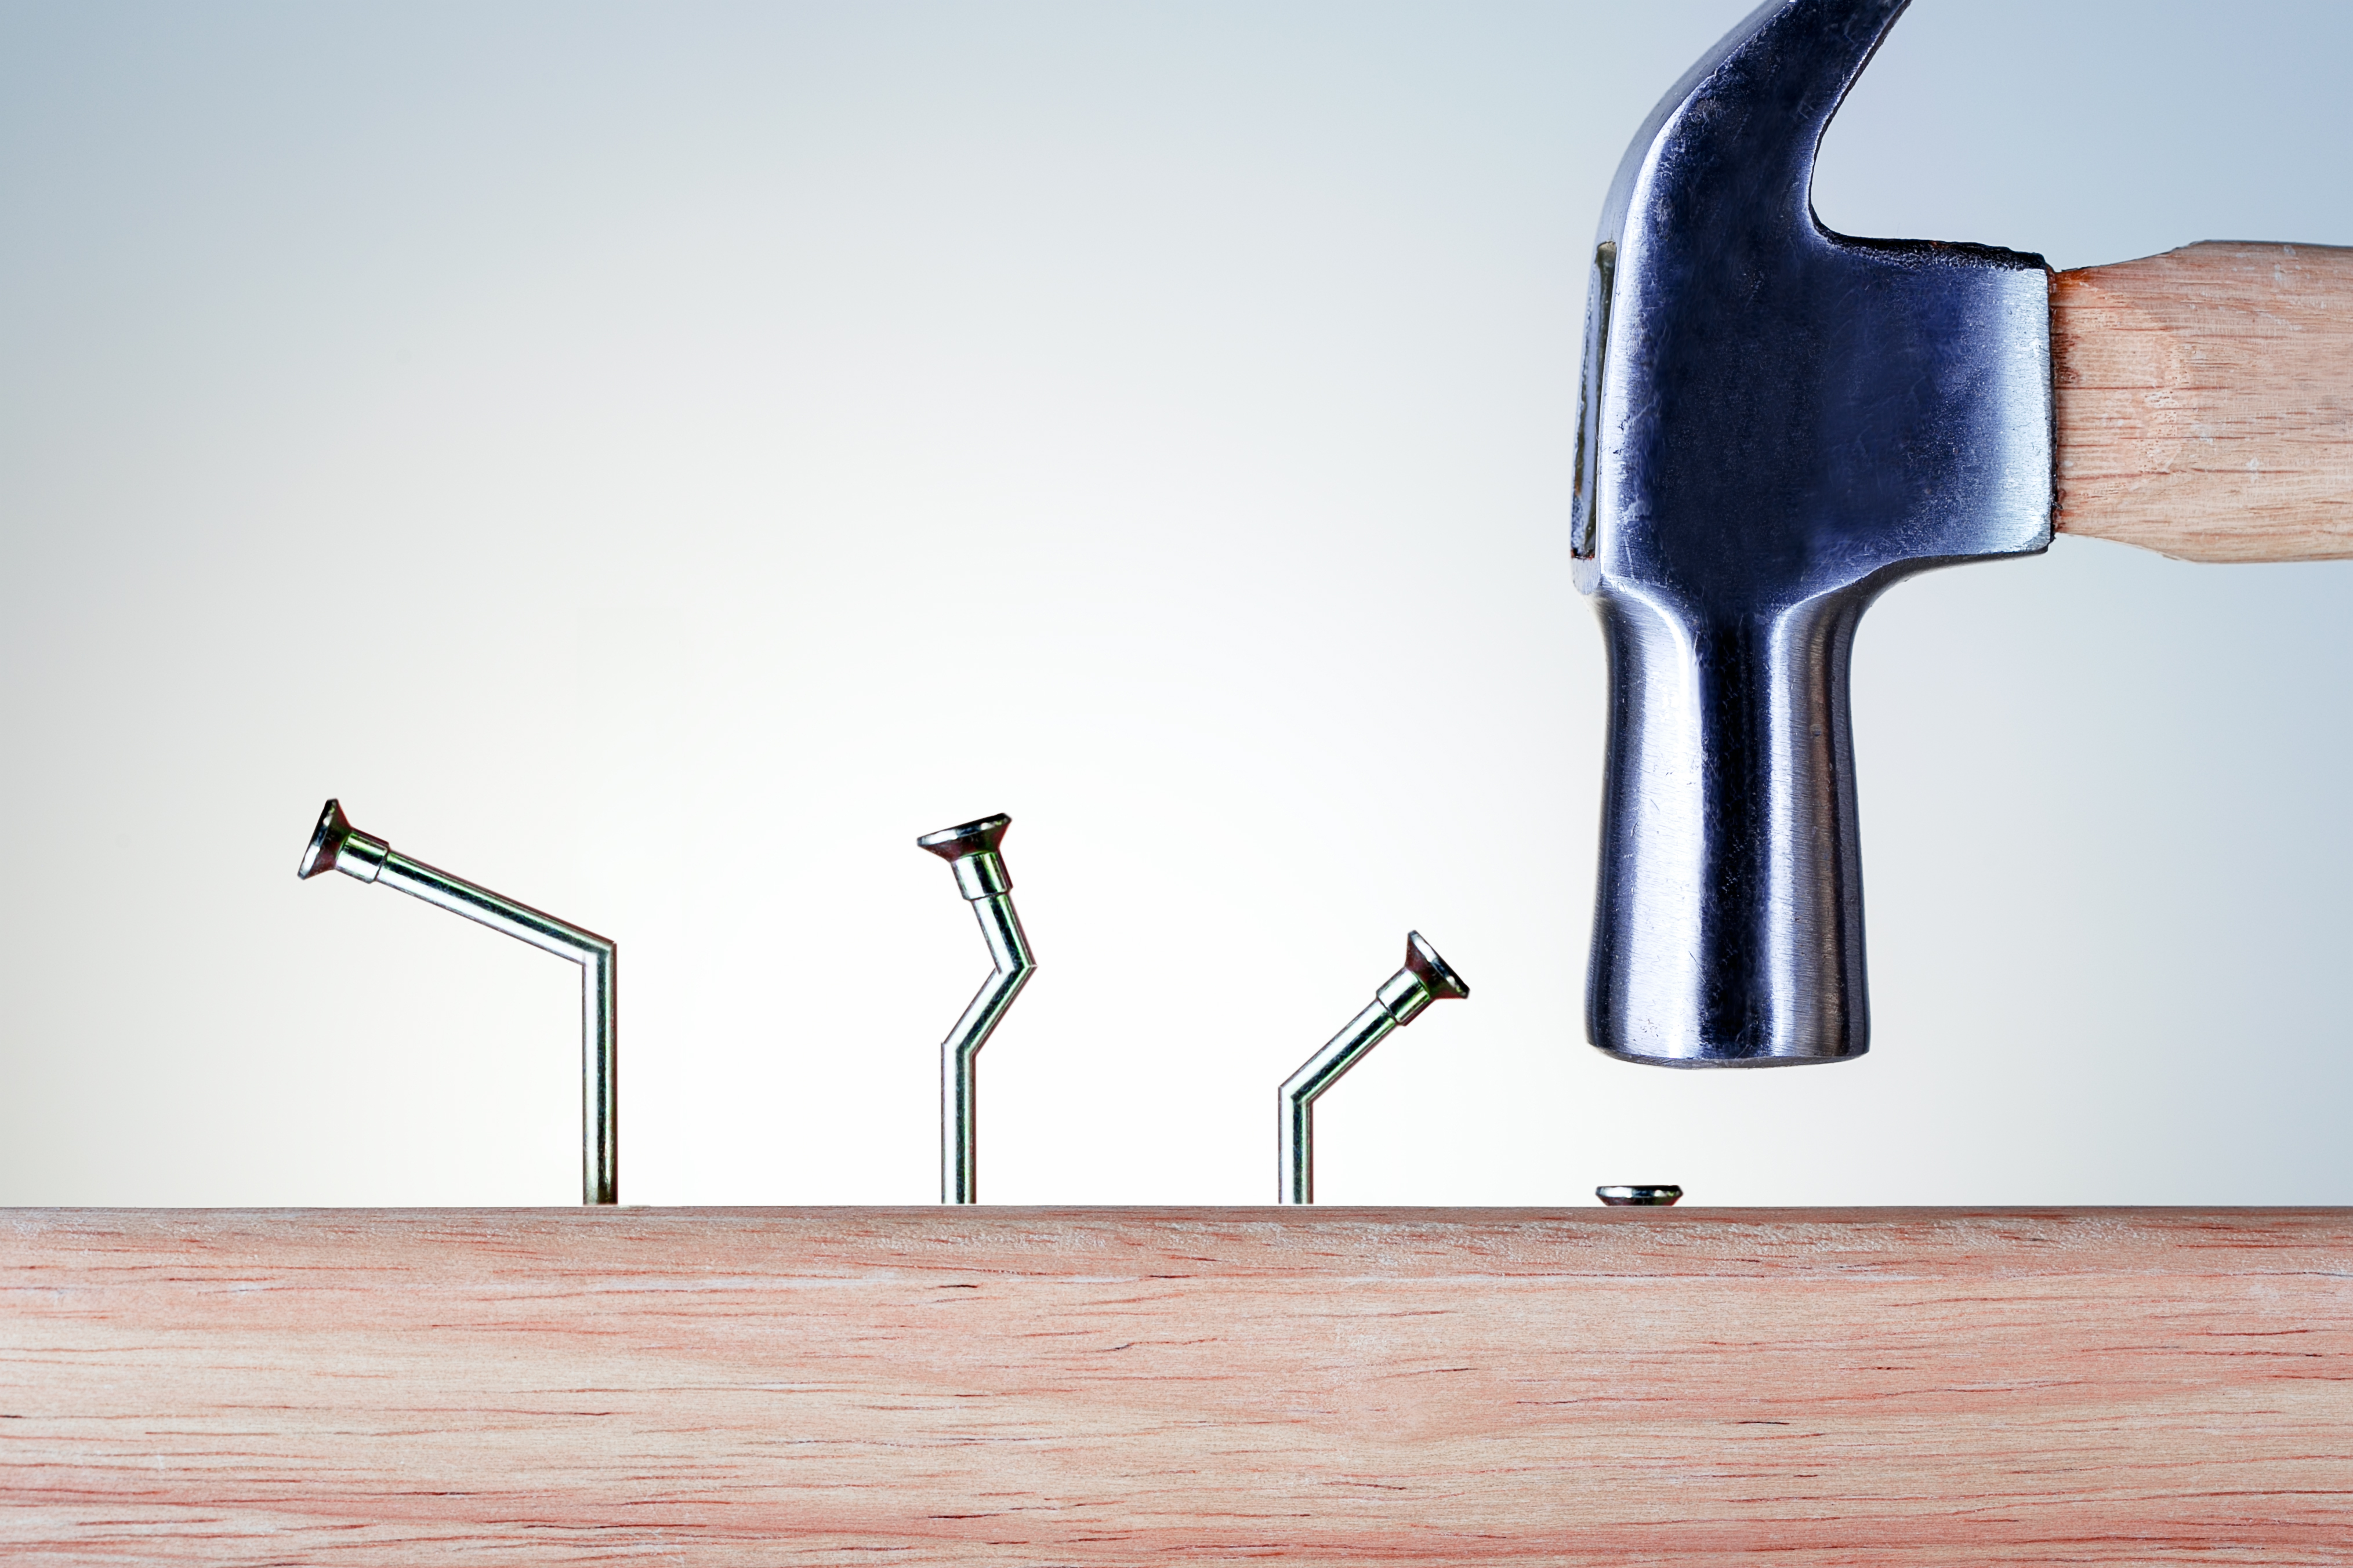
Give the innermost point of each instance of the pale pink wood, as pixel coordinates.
(2205, 402)
(1133, 1386)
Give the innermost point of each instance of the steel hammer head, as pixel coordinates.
(1777, 423)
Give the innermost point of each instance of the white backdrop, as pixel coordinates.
(659, 460)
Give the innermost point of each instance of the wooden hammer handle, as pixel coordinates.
(2205, 402)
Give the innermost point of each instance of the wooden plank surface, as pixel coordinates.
(1116, 1387)
(2204, 401)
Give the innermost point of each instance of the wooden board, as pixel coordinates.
(1127, 1386)
(2204, 401)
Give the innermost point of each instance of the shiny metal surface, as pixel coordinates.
(1639, 1197)
(1777, 423)
(1400, 1000)
(971, 850)
(336, 846)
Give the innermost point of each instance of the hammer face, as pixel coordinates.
(1779, 423)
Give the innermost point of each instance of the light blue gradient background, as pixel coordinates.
(657, 460)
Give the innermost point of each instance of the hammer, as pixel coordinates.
(1777, 422)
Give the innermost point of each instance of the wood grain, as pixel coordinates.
(2205, 402)
(1131, 1386)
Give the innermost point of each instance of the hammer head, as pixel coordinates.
(1777, 423)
